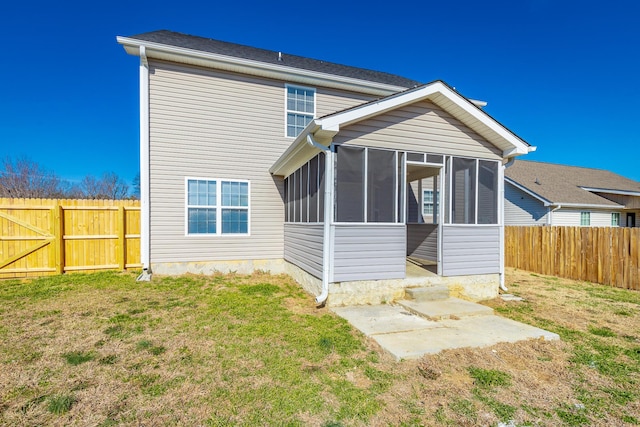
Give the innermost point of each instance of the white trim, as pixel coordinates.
(247, 66)
(218, 207)
(588, 206)
(145, 188)
(501, 168)
(619, 192)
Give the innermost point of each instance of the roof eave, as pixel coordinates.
(252, 67)
(299, 151)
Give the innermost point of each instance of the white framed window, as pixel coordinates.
(428, 202)
(585, 218)
(216, 207)
(615, 219)
(300, 108)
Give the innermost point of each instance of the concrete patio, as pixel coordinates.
(410, 329)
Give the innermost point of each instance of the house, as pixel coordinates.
(259, 160)
(539, 193)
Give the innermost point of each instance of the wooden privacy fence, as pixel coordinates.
(44, 236)
(606, 255)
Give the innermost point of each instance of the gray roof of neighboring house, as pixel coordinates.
(561, 184)
(270, 56)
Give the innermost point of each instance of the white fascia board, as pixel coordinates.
(619, 192)
(588, 206)
(335, 121)
(546, 202)
(258, 68)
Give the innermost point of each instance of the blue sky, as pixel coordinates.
(563, 75)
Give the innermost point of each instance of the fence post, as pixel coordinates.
(58, 214)
(121, 249)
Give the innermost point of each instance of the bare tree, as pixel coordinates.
(24, 178)
(109, 186)
(135, 194)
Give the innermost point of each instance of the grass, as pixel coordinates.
(101, 349)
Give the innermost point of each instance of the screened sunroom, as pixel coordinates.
(415, 176)
(378, 217)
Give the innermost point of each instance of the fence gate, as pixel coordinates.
(28, 240)
(44, 236)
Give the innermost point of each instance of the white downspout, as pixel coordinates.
(328, 214)
(144, 168)
(501, 220)
(551, 211)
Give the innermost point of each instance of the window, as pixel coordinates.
(301, 108)
(217, 206)
(615, 219)
(427, 202)
(585, 218)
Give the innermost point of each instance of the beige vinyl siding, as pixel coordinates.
(217, 125)
(422, 127)
(521, 208)
(571, 217)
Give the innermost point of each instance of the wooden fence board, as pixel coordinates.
(70, 235)
(607, 255)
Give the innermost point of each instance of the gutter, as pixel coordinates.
(328, 208)
(145, 238)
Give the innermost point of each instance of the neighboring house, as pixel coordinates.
(258, 160)
(548, 194)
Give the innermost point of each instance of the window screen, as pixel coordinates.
(296, 196)
(304, 198)
(313, 189)
(488, 192)
(350, 184)
(463, 191)
(380, 185)
(400, 186)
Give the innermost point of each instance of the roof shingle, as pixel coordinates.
(203, 44)
(562, 184)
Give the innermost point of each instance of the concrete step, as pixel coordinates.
(450, 308)
(427, 293)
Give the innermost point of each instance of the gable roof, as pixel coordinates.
(437, 92)
(569, 185)
(170, 45)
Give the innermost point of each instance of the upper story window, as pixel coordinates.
(217, 206)
(300, 108)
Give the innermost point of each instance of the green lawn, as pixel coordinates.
(101, 349)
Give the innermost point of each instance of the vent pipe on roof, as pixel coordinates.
(280, 56)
